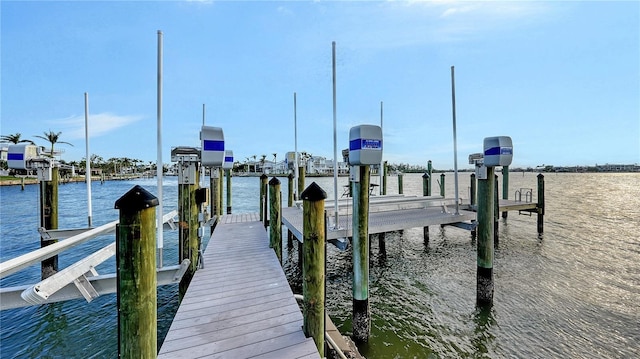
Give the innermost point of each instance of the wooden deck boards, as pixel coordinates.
(400, 213)
(240, 304)
(508, 205)
(380, 222)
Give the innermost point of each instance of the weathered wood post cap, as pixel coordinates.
(426, 175)
(274, 181)
(264, 176)
(136, 199)
(290, 176)
(313, 193)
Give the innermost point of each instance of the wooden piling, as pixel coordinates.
(496, 212)
(384, 178)
(49, 219)
(290, 191)
(472, 194)
(485, 247)
(425, 184)
(540, 204)
(505, 187)
(263, 197)
(220, 190)
(136, 275)
(290, 199)
(472, 202)
(301, 175)
(400, 189)
(22, 183)
(442, 184)
(228, 191)
(275, 218)
(313, 264)
(430, 180)
(361, 321)
(425, 192)
(213, 184)
(188, 241)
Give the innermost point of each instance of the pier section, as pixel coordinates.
(240, 304)
(386, 214)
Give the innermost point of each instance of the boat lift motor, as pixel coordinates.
(212, 149)
(188, 159)
(24, 156)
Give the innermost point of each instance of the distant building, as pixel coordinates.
(618, 168)
(4, 150)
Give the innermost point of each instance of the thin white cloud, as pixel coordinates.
(99, 124)
(285, 10)
(417, 22)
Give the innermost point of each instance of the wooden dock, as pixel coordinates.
(240, 304)
(509, 205)
(397, 212)
(386, 214)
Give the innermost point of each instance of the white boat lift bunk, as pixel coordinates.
(79, 280)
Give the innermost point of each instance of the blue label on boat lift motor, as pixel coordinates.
(498, 151)
(363, 143)
(228, 159)
(15, 156)
(213, 145)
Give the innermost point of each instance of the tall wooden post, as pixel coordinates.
(540, 203)
(360, 240)
(430, 181)
(301, 175)
(496, 212)
(228, 191)
(472, 202)
(213, 184)
(290, 199)
(275, 219)
(472, 195)
(188, 243)
(136, 275)
(384, 178)
(442, 184)
(49, 219)
(484, 291)
(263, 196)
(290, 191)
(505, 187)
(425, 192)
(313, 264)
(400, 184)
(220, 190)
(22, 183)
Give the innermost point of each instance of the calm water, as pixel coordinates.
(575, 293)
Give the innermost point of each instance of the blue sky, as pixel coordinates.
(561, 78)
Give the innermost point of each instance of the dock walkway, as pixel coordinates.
(240, 304)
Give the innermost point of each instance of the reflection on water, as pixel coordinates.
(572, 294)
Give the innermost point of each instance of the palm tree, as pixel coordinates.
(274, 162)
(15, 139)
(53, 138)
(113, 163)
(262, 162)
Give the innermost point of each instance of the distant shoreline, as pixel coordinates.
(17, 181)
